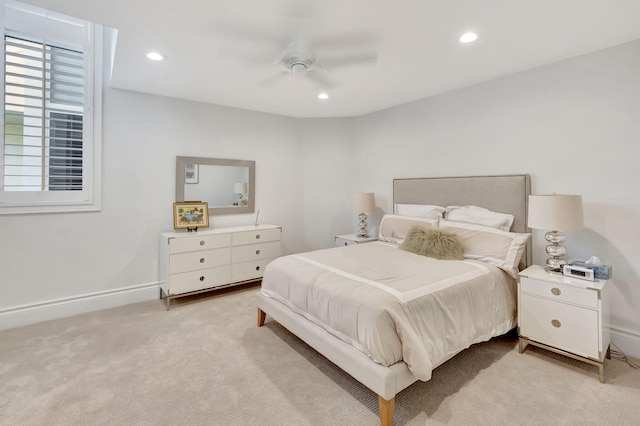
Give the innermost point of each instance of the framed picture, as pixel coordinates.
(190, 215)
(191, 173)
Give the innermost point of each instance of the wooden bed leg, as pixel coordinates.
(262, 316)
(386, 411)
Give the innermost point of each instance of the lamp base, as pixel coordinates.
(362, 222)
(555, 250)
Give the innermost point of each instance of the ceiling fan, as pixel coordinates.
(294, 46)
(299, 60)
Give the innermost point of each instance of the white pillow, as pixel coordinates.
(481, 216)
(503, 249)
(394, 228)
(419, 210)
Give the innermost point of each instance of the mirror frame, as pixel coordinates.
(181, 162)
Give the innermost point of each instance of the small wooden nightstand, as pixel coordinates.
(565, 315)
(350, 239)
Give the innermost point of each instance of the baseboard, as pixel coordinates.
(628, 341)
(61, 308)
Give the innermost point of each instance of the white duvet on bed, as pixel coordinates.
(394, 305)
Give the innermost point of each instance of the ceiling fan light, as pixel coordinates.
(298, 68)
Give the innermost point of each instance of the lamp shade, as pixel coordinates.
(240, 188)
(555, 212)
(364, 202)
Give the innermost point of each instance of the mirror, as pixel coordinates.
(228, 186)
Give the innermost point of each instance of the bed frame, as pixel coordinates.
(505, 194)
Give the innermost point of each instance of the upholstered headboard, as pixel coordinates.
(504, 194)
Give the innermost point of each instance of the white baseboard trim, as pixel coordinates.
(61, 308)
(628, 341)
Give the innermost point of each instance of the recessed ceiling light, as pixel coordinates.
(323, 96)
(468, 37)
(155, 56)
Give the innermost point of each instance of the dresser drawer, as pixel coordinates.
(198, 280)
(192, 261)
(255, 252)
(257, 236)
(560, 292)
(204, 242)
(248, 270)
(567, 327)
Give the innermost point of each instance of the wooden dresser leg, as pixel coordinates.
(386, 411)
(262, 316)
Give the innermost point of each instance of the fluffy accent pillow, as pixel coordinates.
(434, 243)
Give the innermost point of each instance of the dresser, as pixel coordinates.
(565, 315)
(194, 262)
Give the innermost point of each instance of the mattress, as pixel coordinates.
(394, 305)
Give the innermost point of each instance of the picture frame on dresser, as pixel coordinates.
(190, 215)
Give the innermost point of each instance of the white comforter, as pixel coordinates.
(394, 305)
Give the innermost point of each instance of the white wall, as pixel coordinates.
(574, 126)
(47, 257)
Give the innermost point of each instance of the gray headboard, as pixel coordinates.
(504, 194)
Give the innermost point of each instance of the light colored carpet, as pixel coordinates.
(206, 363)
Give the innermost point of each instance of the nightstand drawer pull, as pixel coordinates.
(555, 323)
(257, 236)
(257, 251)
(201, 242)
(202, 278)
(346, 243)
(202, 260)
(556, 291)
(257, 268)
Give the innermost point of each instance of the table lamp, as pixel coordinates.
(363, 203)
(555, 213)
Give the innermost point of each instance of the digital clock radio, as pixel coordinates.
(578, 272)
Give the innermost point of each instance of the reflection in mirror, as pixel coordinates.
(228, 186)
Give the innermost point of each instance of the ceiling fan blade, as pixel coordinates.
(320, 80)
(271, 80)
(347, 41)
(248, 54)
(347, 60)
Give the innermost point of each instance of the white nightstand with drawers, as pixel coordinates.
(350, 239)
(566, 315)
(194, 262)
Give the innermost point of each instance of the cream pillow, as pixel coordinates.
(503, 249)
(394, 228)
(419, 210)
(432, 242)
(480, 216)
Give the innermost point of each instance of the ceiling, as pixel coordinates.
(223, 51)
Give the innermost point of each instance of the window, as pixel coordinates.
(52, 84)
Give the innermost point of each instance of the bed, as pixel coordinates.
(389, 317)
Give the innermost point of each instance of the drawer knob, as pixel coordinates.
(257, 236)
(346, 243)
(257, 251)
(556, 323)
(202, 260)
(202, 278)
(257, 268)
(202, 242)
(556, 291)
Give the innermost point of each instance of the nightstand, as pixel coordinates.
(565, 315)
(350, 239)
